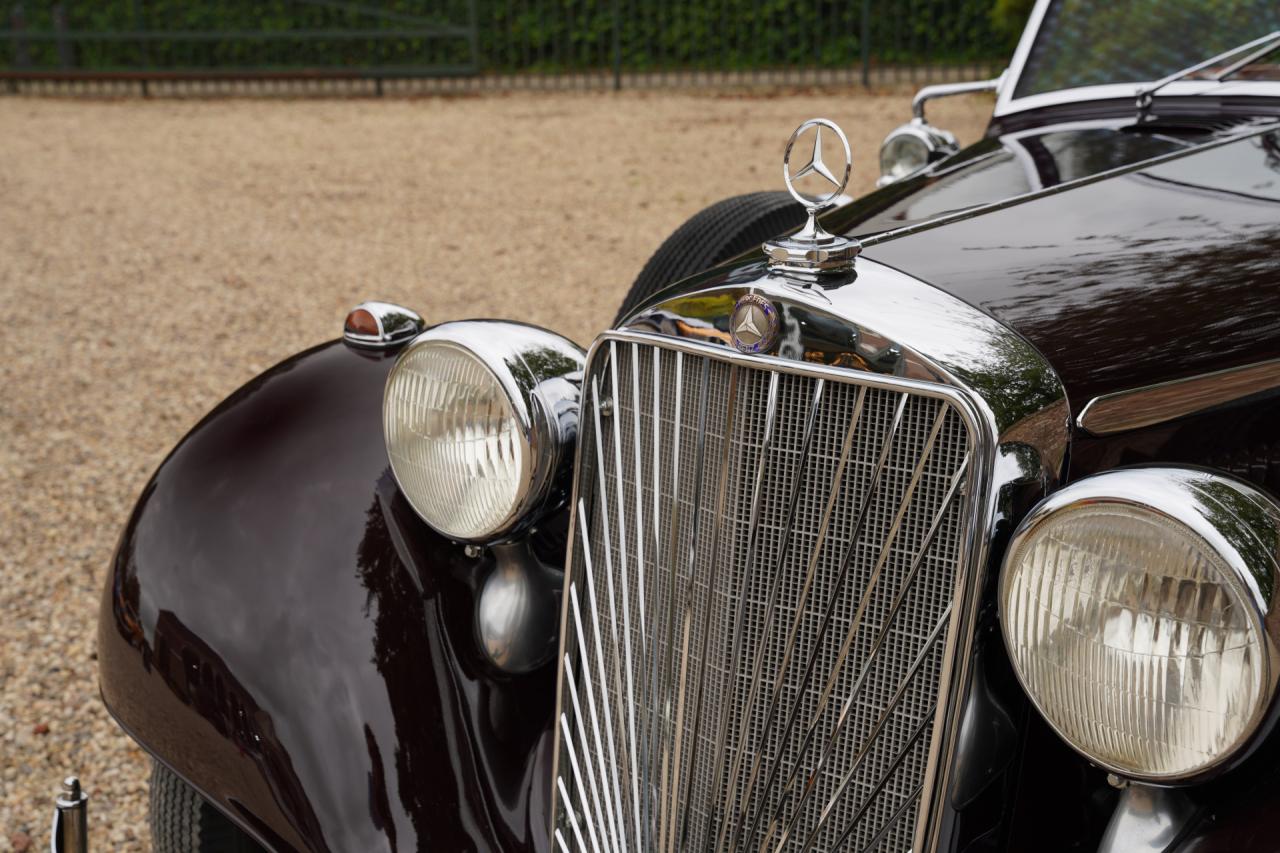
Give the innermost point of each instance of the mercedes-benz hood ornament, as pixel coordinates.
(812, 249)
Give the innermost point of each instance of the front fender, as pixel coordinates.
(283, 632)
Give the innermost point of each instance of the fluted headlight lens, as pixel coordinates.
(1139, 640)
(480, 419)
(902, 154)
(458, 448)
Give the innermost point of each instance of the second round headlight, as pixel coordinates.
(1133, 605)
(910, 147)
(479, 417)
(903, 154)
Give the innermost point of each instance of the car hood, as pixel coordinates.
(1147, 273)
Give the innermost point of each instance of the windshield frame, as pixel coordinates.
(1006, 104)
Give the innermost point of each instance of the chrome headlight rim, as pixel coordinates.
(1189, 497)
(544, 406)
(938, 144)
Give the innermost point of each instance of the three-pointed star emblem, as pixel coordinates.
(753, 325)
(749, 322)
(816, 165)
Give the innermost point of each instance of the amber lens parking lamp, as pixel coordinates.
(480, 419)
(1135, 606)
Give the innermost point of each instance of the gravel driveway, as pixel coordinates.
(154, 255)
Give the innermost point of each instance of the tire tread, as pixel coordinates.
(716, 234)
(183, 822)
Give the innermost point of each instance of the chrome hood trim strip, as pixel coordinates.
(1167, 401)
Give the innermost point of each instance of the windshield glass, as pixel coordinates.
(1094, 42)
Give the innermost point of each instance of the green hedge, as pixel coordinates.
(509, 35)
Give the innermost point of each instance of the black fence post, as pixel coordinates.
(865, 43)
(136, 13)
(473, 36)
(617, 47)
(21, 56)
(65, 57)
(18, 46)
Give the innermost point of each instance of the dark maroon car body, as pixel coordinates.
(281, 629)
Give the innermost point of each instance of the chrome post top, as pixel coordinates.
(812, 249)
(70, 830)
(71, 794)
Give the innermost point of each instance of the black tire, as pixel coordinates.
(183, 822)
(724, 230)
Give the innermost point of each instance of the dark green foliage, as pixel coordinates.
(1009, 16)
(179, 34)
(500, 35)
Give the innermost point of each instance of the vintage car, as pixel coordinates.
(949, 520)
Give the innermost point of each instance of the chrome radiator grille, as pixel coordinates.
(759, 596)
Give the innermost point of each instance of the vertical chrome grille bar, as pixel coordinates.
(779, 680)
(686, 619)
(604, 692)
(624, 569)
(753, 532)
(585, 745)
(590, 774)
(639, 778)
(775, 584)
(572, 820)
(665, 697)
(855, 624)
(726, 446)
(656, 414)
(836, 484)
(619, 827)
(789, 540)
(578, 776)
(639, 483)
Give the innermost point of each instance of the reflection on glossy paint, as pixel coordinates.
(283, 630)
(1141, 278)
(995, 169)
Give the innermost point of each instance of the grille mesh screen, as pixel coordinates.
(761, 580)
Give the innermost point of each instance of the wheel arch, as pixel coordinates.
(280, 630)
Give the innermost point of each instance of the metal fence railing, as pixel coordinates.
(461, 44)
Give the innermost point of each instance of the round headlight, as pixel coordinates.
(479, 417)
(1134, 606)
(911, 147)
